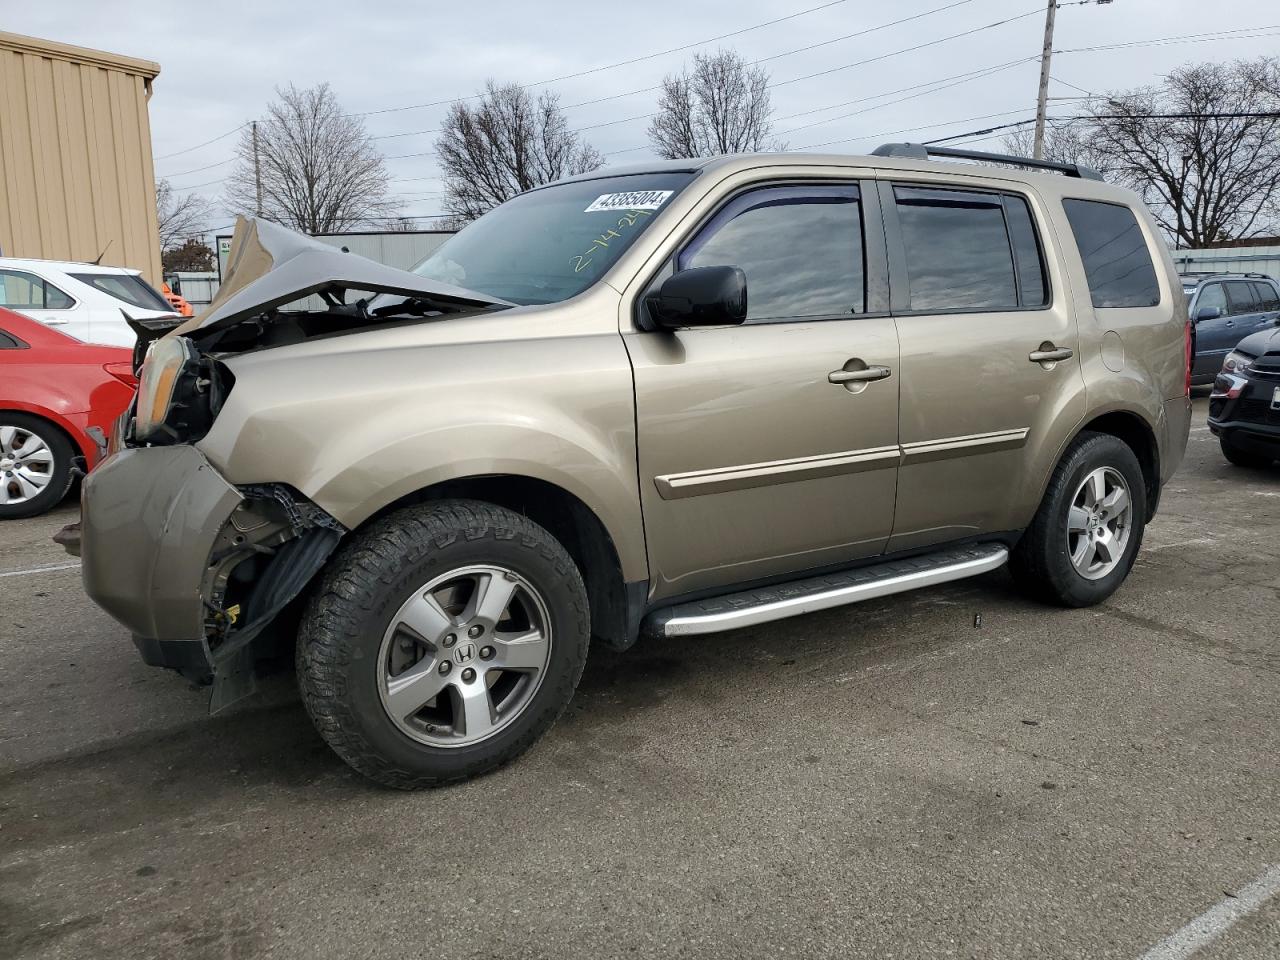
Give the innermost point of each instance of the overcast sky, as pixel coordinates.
(219, 65)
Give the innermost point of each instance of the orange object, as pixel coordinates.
(178, 303)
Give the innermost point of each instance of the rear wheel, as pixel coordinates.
(443, 642)
(1085, 536)
(35, 465)
(1242, 458)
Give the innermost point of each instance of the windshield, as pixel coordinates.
(132, 289)
(551, 244)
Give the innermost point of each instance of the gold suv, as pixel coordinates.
(672, 399)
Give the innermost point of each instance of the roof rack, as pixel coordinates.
(1223, 273)
(923, 151)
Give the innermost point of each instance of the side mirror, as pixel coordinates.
(1208, 313)
(700, 297)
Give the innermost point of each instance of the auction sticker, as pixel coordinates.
(635, 200)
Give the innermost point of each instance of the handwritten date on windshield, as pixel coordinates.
(601, 243)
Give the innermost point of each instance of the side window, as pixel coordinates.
(9, 342)
(800, 247)
(1268, 301)
(19, 289)
(958, 251)
(1033, 290)
(1213, 296)
(1241, 296)
(1117, 262)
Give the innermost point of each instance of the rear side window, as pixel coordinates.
(9, 342)
(800, 248)
(1242, 297)
(131, 289)
(1117, 262)
(19, 289)
(969, 251)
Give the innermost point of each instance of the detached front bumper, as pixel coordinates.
(150, 519)
(194, 567)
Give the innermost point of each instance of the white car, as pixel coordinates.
(80, 299)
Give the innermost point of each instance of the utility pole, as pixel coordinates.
(257, 166)
(1042, 101)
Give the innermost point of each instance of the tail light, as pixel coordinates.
(122, 370)
(1190, 354)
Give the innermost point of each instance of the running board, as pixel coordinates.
(765, 604)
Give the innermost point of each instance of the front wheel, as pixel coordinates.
(1085, 536)
(442, 642)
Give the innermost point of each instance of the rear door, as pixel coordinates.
(758, 457)
(33, 295)
(989, 356)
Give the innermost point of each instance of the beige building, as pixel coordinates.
(76, 176)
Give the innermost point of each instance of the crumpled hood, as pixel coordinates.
(271, 265)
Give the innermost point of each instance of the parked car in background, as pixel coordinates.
(1224, 309)
(675, 399)
(82, 300)
(1244, 408)
(58, 401)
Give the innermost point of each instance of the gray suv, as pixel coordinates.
(1224, 309)
(668, 400)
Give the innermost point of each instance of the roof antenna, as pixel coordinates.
(98, 262)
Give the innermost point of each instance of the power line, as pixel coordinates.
(221, 136)
(1185, 38)
(170, 176)
(620, 63)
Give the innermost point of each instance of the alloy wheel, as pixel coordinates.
(1099, 523)
(464, 656)
(26, 464)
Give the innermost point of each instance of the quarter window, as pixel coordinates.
(1267, 298)
(958, 250)
(800, 248)
(20, 290)
(1117, 262)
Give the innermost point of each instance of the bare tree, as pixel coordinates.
(320, 171)
(506, 144)
(722, 106)
(180, 216)
(1208, 174)
(191, 255)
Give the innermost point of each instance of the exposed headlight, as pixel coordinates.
(173, 395)
(1237, 362)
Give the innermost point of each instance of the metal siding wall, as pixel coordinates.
(1230, 259)
(75, 160)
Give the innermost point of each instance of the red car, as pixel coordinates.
(58, 400)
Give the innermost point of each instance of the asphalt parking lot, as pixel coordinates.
(889, 780)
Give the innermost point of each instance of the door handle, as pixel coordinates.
(859, 376)
(1050, 354)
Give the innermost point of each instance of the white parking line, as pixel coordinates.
(23, 573)
(1211, 924)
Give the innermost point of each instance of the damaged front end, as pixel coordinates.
(267, 551)
(201, 567)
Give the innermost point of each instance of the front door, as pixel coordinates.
(1215, 335)
(989, 358)
(759, 454)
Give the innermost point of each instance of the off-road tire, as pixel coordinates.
(64, 455)
(1040, 563)
(1242, 458)
(364, 585)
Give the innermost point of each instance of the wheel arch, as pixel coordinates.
(1135, 430)
(615, 604)
(79, 442)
